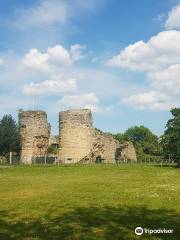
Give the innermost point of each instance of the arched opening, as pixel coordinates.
(99, 159)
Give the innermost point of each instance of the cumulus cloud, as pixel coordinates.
(51, 87)
(35, 60)
(152, 100)
(86, 100)
(54, 56)
(164, 92)
(173, 20)
(59, 54)
(167, 80)
(156, 54)
(159, 59)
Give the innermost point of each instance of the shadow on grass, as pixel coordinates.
(106, 223)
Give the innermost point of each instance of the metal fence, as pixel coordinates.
(11, 160)
(15, 160)
(44, 160)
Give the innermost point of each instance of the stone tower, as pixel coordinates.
(76, 135)
(34, 133)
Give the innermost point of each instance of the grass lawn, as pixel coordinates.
(88, 202)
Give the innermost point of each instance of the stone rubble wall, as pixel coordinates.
(126, 152)
(78, 141)
(35, 133)
(76, 135)
(105, 145)
(109, 149)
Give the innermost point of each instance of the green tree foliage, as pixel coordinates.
(143, 139)
(9, 136)
(119, 137)
(171, 139)
(52, 149)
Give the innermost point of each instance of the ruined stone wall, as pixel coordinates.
(35, 133)
(78, 141)
(126, 152)
(110, 150)
(76, 135)
(104, 146)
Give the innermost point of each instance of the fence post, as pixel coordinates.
(10, 158)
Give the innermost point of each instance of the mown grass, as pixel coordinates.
(88, 202)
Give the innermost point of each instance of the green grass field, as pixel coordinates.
(88, 202)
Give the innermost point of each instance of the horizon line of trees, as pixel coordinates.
(146, 143)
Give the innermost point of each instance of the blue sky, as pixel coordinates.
(120, 58)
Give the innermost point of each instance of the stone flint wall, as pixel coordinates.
(126, 152)
(78, 140)
(104, 146)
(75, 133)
(35, 133)
(108, 149)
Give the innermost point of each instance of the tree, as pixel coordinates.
(119, 137)
(52, 149)
(171, 139)
(9, 136)
(143, 139)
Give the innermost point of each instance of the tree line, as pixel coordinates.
(147, 144)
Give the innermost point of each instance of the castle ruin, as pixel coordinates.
(34, 133)
(75, 134)
(78, 141)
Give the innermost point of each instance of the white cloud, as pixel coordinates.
(35, 60)
(164, 91)
(167, 80)
(151, 100)
(86, 100)
(51, 87)
(45, 13)
(159, 59)
(60, 55)
(173, 20)
(159, 52)
(54, 56)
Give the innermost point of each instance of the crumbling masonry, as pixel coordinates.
(78, 142)
(35, 133)
(75, 134)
